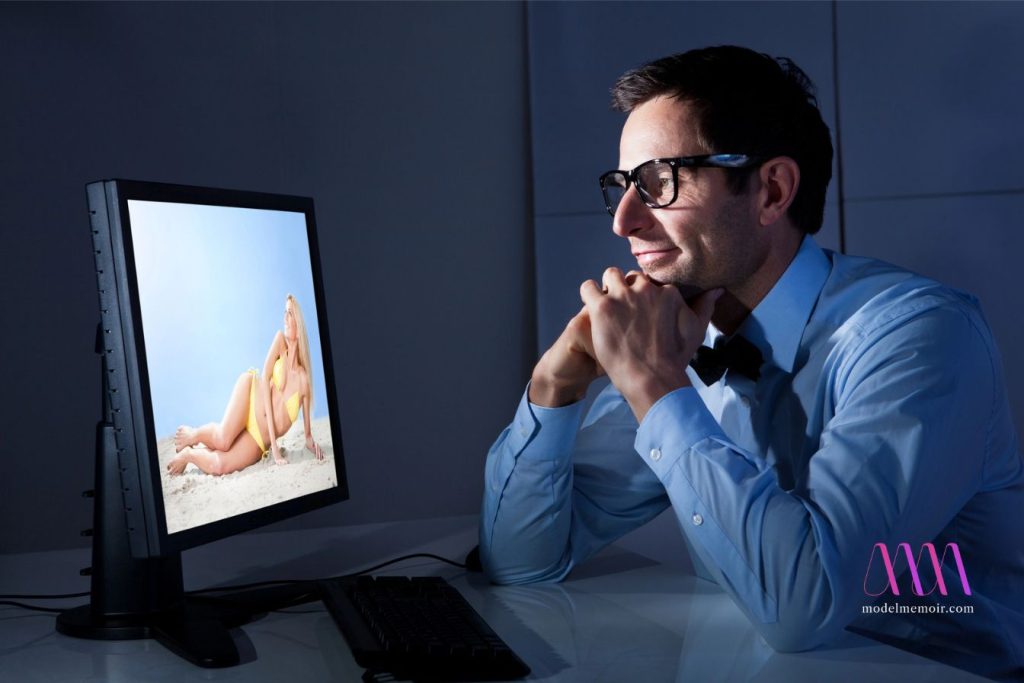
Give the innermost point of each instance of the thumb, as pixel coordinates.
(704, 306)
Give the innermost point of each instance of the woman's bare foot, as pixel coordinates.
(280, 459)
(184, 437)
(177, 465)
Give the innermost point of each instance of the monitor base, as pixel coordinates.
(198, 632)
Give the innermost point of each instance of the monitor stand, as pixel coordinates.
(134, 598)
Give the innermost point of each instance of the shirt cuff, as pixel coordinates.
(539, 433)
(675, 423)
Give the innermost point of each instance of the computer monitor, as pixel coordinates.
(219, 406)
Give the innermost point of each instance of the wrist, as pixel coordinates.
(643, 394)
(552, 393)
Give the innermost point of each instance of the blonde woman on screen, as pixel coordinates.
(261, 408)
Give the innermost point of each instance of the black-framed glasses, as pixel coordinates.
(657, 180)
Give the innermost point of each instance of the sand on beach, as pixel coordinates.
(194, 498)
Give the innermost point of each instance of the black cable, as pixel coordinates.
(408, 557)
(6, 600)
(44, 597)
(34, 608)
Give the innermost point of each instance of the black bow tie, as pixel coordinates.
(737, 354)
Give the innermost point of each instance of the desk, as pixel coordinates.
(620, 618)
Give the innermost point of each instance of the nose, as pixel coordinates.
(632, 215)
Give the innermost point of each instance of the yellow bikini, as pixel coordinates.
(251, 425)
(291, 404)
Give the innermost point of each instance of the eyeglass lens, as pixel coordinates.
(614, 187)
(655, 182)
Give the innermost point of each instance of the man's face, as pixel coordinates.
(708, 237)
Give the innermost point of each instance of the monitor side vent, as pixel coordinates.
(113, 350)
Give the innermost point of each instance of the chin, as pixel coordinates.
(666, 276)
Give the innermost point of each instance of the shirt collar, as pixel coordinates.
(777, 324)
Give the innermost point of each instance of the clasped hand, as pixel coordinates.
(640, 333)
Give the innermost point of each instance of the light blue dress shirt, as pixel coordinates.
(880, 417)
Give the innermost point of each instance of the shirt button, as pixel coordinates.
(697, 519)
(655, 454)
(523, 430)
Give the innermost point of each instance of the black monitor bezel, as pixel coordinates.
(160, 542)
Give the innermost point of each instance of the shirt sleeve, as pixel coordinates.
(904, 449)
(556, 492)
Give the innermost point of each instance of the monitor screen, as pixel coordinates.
(231, 406)
(221, 288)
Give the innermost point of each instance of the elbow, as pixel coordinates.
(786, 638)
(813, 610)
(510, 571)
(802, 628)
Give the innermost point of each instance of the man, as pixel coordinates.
(838, 403)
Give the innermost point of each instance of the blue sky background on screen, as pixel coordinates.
(212, 283)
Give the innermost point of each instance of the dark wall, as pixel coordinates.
(429, 288)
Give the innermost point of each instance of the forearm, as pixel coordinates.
(760, 543)
(755, 539)
(526, 514)
(557, 492)
(795, 562)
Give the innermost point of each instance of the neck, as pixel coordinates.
(730, 312)
(737, 302)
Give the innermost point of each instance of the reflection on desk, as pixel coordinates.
(620, 618)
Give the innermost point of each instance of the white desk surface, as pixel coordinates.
(620, 618)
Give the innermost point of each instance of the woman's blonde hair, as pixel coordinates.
(304, 359)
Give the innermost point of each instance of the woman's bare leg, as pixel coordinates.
(220, 436)
(243, 452)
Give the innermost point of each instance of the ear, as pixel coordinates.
(780, 179)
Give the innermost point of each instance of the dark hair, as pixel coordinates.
(745, 102)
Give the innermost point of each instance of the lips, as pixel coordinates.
(648, 256)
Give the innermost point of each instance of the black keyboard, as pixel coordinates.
(419, 629)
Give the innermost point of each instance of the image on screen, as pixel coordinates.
(232, 351)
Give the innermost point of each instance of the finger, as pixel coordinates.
(581, 321)
(612, 279)
(590, 292)
(632, 277)
(583, 340)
